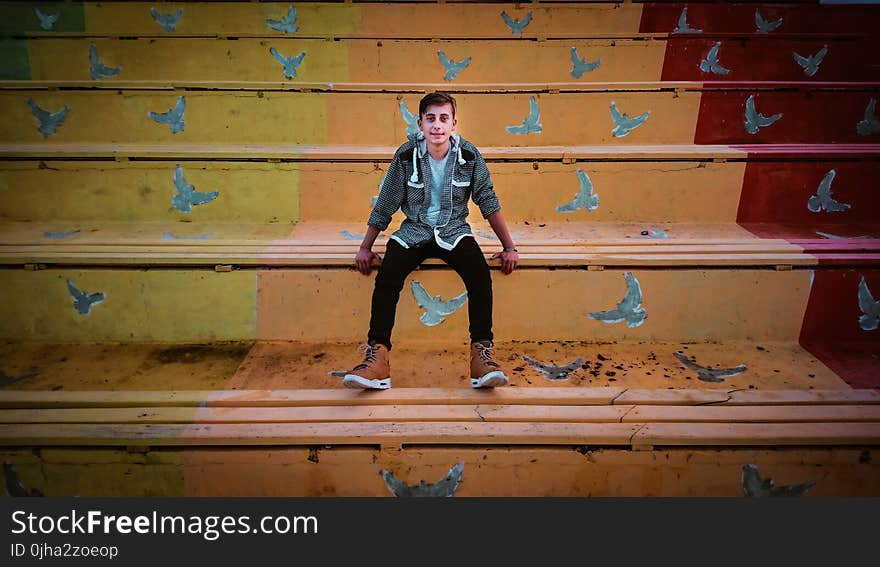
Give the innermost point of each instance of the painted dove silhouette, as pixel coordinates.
(516, 26)
(47, 21)
(97, 69)
(710, 63)
(623, 123)
(580, 66)
(61, 235)
(869, 306)
(823, 200)
(167, 21)
(553, 372)
(452, 68)
(763, 25)
(811, 63)
(186, 196)
(412, 121)
(285, 24)
(584, 199)
(754, 487)
(49, 121)
(436, 310)
(683, 26)
(870, 124)
(530, 124)
(83, 301)
(13, 484)
(629, 309)
(754, 120)
(708, 374)
(290, 64)
(173, 117)
(444, 488)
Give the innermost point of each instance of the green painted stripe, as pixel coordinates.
(16, 17)
(14, 62)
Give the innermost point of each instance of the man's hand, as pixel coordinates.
(509, 260)
(364, 260)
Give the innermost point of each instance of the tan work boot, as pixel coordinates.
(374, 373)
(485, 372)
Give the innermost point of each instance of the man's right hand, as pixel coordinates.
(364, 260)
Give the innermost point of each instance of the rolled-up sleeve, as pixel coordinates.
(391, 194)
(483, 192)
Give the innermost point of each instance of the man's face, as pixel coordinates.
(437, 123)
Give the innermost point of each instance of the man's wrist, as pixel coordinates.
(506, 249)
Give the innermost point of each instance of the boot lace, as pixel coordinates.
(369, 356)
(487, 354)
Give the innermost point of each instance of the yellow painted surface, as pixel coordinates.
(159, 305)
(343, 118)
(697, 305)
(628, 191)
(427, 19)
(141, 192)
(227, 18)
(191, 59)
(495, 471)
(350, 60)
(211, 117)
(567, 119)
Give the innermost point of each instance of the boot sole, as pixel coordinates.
(360, 383)
(490, 380)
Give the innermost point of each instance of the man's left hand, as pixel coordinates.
(509, 260)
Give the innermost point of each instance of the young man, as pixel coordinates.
(430, 179)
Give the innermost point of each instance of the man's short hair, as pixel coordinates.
(436, 98)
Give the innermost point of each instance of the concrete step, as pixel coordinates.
(232, 117)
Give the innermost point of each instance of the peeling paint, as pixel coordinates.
(173, 117)
(835, 237)
(583, 199)
(186, 195)
(287, 24)
(653, 233)
(516, 26)
(551, 371)
(754, 487)
(491, 236)
(47, 21)
(61, 235)
(436, 310)
(351, 236)
(290, 64)
(443, 488)
(823, 200)
(710, 63)
(82, 300)
(623, 123)
(97, 69)
(452, 68)
(167, 21)
(869, 306)
(170, 236)
(49, 121)
(869, 124)
(754, 120)
(411, 120)
(708, 374)
(629, 309)
(530, 124)
(683, 26)
(811, 63)
(580, 66)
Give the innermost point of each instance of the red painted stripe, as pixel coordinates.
(767, 59)
(831, 331)
(740, 18)
(808, 117)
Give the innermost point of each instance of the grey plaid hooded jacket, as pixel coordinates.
(407, 186)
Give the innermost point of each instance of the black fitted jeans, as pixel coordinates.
(466, 259)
